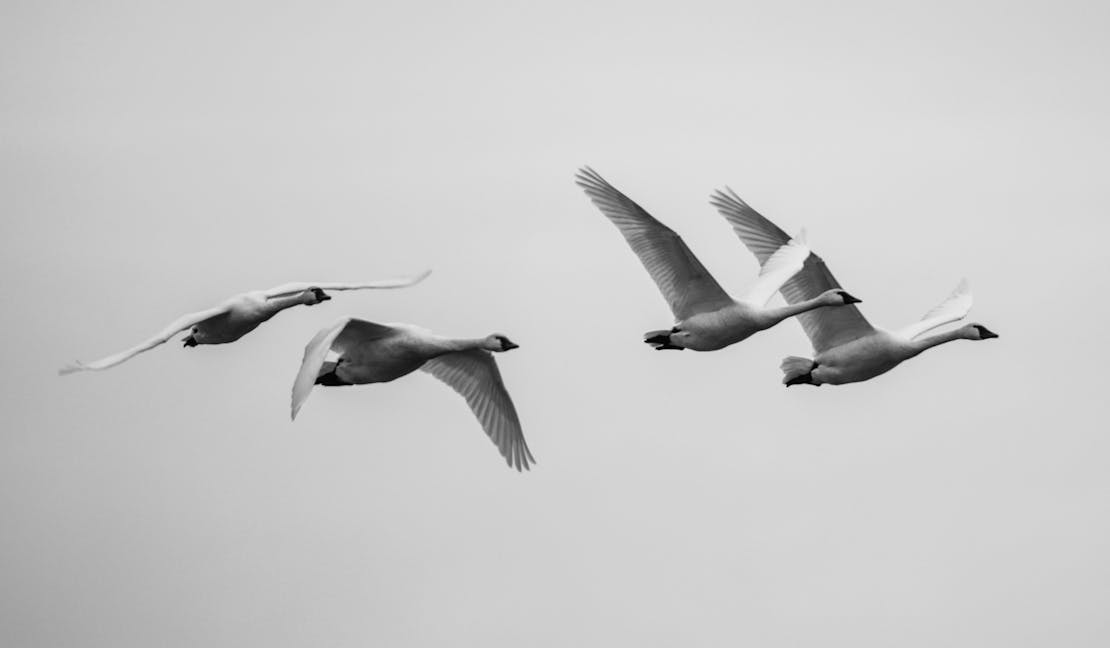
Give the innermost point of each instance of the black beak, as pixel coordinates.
(509, 346)
(984, 332)
(848, 299)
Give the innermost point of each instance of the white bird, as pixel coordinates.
(848, 349)
(706, 318)
(238, 316)
(357, 352)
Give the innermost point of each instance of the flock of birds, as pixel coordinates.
(356, 352)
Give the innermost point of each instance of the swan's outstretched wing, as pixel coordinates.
(780, 257)
(685, 283)
(338, 336)
(314, 353)
(778, 269)
(762, 237)
(180, 324)
(826, 327)
(954, 308)
(285, 290)
(474, 375)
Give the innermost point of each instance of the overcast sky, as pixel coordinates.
(156, 159)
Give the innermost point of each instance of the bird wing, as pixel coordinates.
(685, 283)
(955, 307)
(314, 353)
(762, 237)
(359, 331)
(285, 290)
(341, 335)
(474, 375)
(180, 324)
(826, 327)
(778, 269)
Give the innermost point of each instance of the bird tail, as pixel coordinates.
(797, 371)
(660, 340)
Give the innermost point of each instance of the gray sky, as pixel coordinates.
(157, 159)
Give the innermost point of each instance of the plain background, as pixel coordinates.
(159, 157)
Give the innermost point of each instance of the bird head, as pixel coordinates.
(838, 297)
(979, 332)
(499, 343)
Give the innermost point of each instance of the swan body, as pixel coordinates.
(874, 351)
(239, 315)
(861, 359)
(706, 317)
(358, 352)
(736, 322)
(878, 353)
(244, 313)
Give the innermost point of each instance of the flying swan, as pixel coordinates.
(238, 316)
(357, 352)
(706, 318)
(848, 349)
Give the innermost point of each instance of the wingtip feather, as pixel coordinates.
(731, 196)
(591, 181)
(72, 367)
(725, 197)
(298, 400)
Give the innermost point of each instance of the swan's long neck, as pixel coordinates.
(277, 304)
(450, 345)
(779, 313)
(922, 344)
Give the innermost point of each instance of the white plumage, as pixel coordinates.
(849, 349)
(859, 353)
(355, 352)
(706, 317)
(239, 315)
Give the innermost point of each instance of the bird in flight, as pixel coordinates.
(706, 317)
(239, 315)
(358, 352)
(848, 348)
